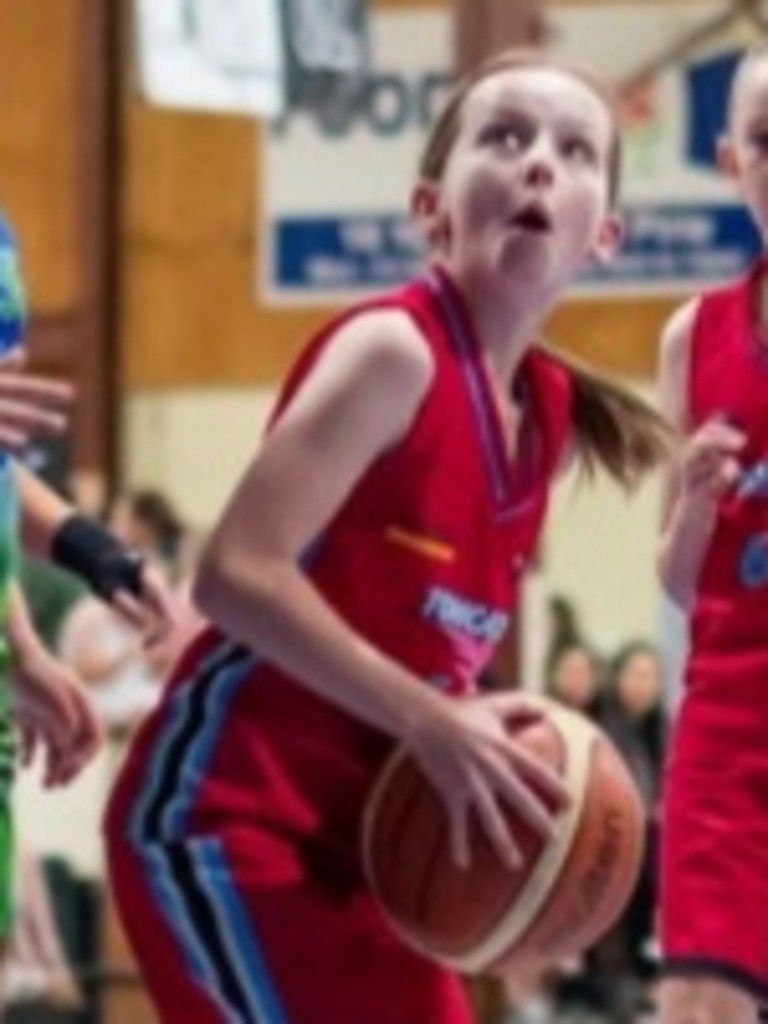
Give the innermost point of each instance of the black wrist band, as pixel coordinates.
(89, 551)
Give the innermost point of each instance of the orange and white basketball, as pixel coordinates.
(486, 918)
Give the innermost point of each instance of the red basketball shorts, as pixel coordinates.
(217, 946)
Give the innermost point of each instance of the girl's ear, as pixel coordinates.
(609, 239)
(727, 160)
(428, 215)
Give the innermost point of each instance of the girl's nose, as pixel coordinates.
(539, 171)
(540, 163)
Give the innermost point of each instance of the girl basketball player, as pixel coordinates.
(714, 562)
(361, 576)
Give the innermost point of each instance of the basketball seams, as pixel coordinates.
(377, 798)
(397, 813)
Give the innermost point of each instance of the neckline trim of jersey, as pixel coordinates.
(508, 475)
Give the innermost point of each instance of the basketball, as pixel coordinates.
(486, 918)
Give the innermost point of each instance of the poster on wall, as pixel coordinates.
(336, 181)
(221, 56)
(325, 48)
(335, 185)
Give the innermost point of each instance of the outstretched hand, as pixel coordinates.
(29, 405)
(154, 611)
(710, 462)
(52, 711)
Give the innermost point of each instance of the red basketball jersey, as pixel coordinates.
(423, 560)
(729, 379)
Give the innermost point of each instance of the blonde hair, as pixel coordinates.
(612, 427)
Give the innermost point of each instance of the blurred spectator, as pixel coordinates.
(147, 520)
(108, 655)
(38, 969)
(574, 677)
(634, 715)
(564, 626)
(634, 718)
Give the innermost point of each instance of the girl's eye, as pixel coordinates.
(760, 140)
(505, 136)
(580, 149)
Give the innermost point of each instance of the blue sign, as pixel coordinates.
(346, 252)
(671, 245)
(666, 245)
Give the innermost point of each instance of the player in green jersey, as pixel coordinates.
(41, 699)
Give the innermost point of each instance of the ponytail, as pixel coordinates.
(614, 429)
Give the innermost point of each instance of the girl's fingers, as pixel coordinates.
(515, 707)
(13, 440)
(515, 792)
(20, 409)
(26, 388)
(14, 360)
(513, 777)
(88, 738)
(130, 608)
(496, 827)
(720, 433)
(160, 600)
(537, 772)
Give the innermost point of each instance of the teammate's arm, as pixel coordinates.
(705, 466)
(53, 529)
(50, 707)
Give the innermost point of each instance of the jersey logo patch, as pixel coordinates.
(473, 619)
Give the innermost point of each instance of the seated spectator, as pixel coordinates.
(146, 520)
(574, 677)
(37, 967)
(634, 718)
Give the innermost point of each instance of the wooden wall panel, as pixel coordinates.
(39, 140)
(620, 336)
(191, 315)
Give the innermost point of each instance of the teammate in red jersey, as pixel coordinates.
(714, 563)
(373, 546)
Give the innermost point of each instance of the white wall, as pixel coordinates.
(193, 444)
(599, 550)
